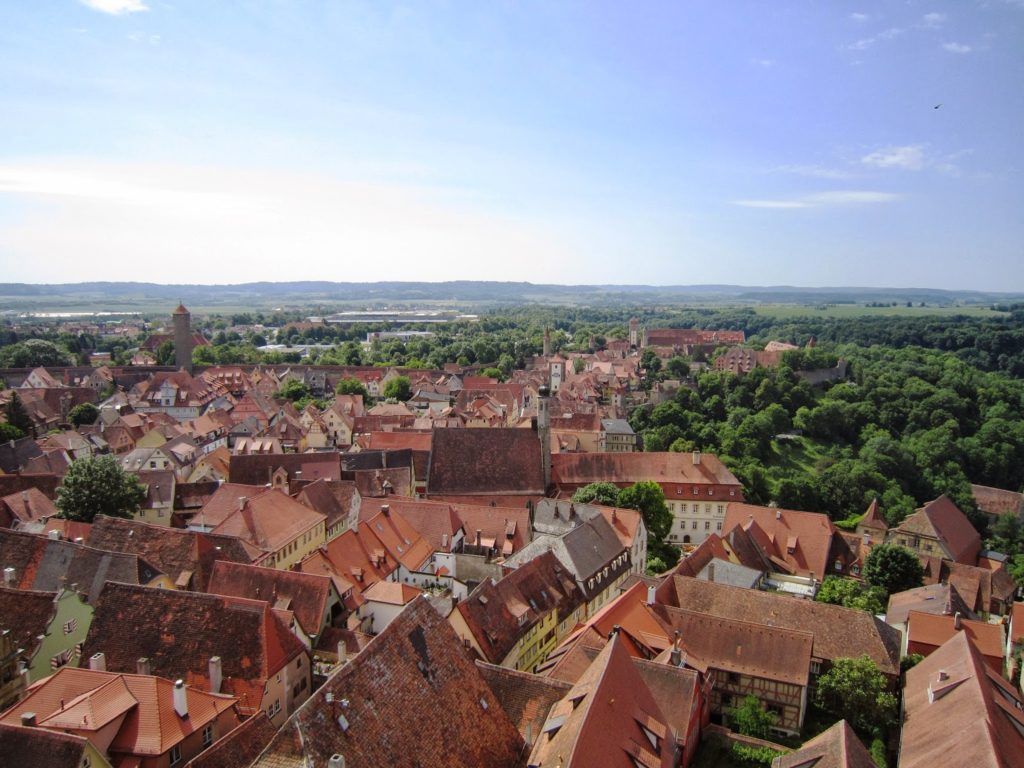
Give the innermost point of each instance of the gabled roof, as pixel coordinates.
(238, 747)
(979, 587)
(40, 748)
(259, 469)
(838, 747)
(333, 498)
(42, 563)
(838, 632)
(268, 521)
(932, 598)
(85, 700)
(926, 629)
(411, 697)
(585, 468)
(997, 501)
(496, 461)
(26, 614)
(608, 718)
(941, 517)
(958, 711)
(305, 594)
(252, 642)
(526, 698)
(28, 505)
(185, 556)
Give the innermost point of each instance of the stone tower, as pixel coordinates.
(544, 432)
(183, 341)
(547, 342)
(634, 333)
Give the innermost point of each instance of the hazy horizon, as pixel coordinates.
(791, 144)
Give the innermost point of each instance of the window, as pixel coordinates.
(707, 525)
(839, 565)
(707, 509)
(721, 509)
(175, 755)
(208, 735)
(694, 525)
(711, 491)
(70, 626)
(719, 524)
(695, 490)
(682, 506)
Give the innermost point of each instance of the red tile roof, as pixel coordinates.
(411, 697)
(838, 747)
(40, 748)
(498, 461)
(928, 631)
(628, 468)
(804, 541)
(239, 747)
(943, 518)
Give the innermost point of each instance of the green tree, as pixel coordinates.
(855, 689)
(851, 594)
(398, 388)
(17, 416)
(893, 569)
(294, 390)
(649, 500)
(493, 373)
(597, 493)
(84, 413)
(9, 432)
(98, 486)
(349, 386)
(677, 368)
(752, 719)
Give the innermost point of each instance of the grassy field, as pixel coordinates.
(785, 311)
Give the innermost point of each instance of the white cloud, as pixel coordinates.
(116, 7)
(823, 199)
(910, 157)
(216, 224)
(859, 17)
(816, 171)
(864, 43)
(957, 47)
(766, 63)
(933, 20)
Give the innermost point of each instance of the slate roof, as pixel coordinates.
(180, 631)
(971, 717)
(42, 563)
(305, 594)
(14, 454)
(838, 632)
(838, 747)
(40, 748)
(555, 516)
(410, 698)
(26, 614)
(186, 557)
(497, 461)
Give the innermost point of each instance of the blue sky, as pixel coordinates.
(592, 142)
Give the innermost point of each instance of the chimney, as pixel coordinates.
(572, 511)
(696, 458)
(342, 652)
(544, 433)
(778, 514)
(956, 621)
(98, 662)
(9, 577)
(24, 496)
(336, 761)
(711, 571)
(241, 502)
(478, 533)
(53, 534)
(385, 509)
(28, 719)
(650, 594)
(180, 699)
(676, 657)
(216, 674)
(142, 666)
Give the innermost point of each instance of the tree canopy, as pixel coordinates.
(597, 493)
(98, 486)
(856, 690)
(893, 568)
(398, 388)
(84, 413)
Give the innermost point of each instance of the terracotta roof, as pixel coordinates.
(258, 469)
(744, 647)
(239, 747)
(943, 518)
(605, 720)
(873, 518)
(838, 632)
(333, 498)
(997, 501)
(267, 521)
(40, 748)
(86, 700)
(838, 747)
(411, 697)
(679, 337)
(958, 711)
(392, 593)
(498, 461)
(46, 482)
(417, 441)
(933, 598)
(926, 629)
(981, 589)
(30, 504)
(185, 556)
(584, 468)
(253, 643)
(804, 541)
(500, 613)
(48, 564)
(305, 594)
(1017, 623)
(526, 698)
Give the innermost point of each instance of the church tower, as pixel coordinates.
(183, 341)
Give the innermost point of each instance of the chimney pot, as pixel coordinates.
(9, 576)
(650, 594)
(385, 509)
(180, 699)
(242, 501)
(957, 625)
(336, 761)
(778, 514)
(216, 674)
(98, 662)
(142, 666)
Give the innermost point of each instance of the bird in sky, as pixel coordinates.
(936, 106)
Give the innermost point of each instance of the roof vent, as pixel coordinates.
(343, 723)
(943, 676)
(336, 761)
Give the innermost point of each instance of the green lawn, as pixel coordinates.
(798, 454)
